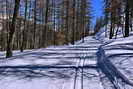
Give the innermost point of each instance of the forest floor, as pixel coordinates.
(93, 64)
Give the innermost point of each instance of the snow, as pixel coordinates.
(55, 67)
(63, 67)
(120, 52)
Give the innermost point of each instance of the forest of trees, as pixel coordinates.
(31, 24)
(118, 17)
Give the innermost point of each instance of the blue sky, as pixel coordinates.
(97, 7)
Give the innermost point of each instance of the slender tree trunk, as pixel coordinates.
(83, 13)
(29, 40)
(77, 23)
(35, 17)
(7, 23)
(23, 33)
(54, 12)
(106, 27)
(73, 29)
(44, 34)
(127, 19)
(131, 26)
(67, 21)
(12, 29)
(116, 32)
(111, 29)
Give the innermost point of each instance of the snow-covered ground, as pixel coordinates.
(61, 67)
(120, 53)
(72, 66)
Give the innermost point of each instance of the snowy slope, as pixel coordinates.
(120, 52)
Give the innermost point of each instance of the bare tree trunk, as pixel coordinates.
(12, 29)
(67, 23)
(131, 26)
(73, 26)
(35, 17)
(44, 34)
(111, 29)
(116, 32)
(127, 19)
(54, 12)
(83, 13)
(23, 33)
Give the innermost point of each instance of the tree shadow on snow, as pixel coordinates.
(33, 72)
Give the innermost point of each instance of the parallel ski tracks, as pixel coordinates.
(79, 71)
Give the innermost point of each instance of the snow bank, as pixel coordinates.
(119, 52)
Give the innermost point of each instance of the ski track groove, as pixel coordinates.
(80, 66)
(80, 59)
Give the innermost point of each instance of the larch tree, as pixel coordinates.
(119, 16)
(33, 24)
